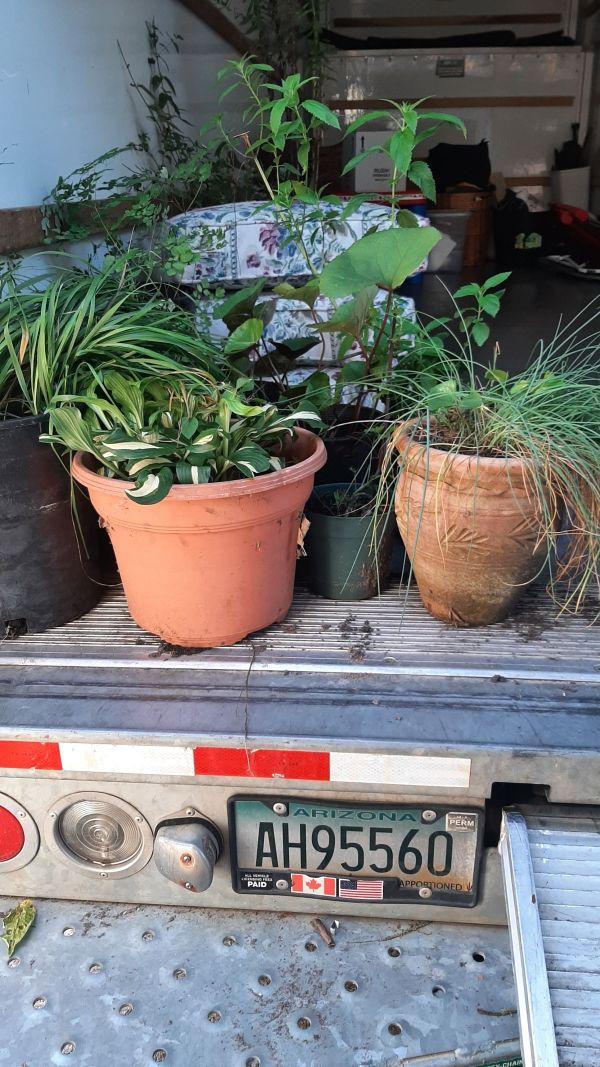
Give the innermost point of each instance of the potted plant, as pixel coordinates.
(201, 491)
(53, 336)
(349, 542)
(499, 477)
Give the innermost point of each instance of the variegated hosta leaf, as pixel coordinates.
(153, 487)
(251, 460)
(192, 474)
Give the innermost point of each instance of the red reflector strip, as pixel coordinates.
(261, 763)
(30, 755)
(12, 835)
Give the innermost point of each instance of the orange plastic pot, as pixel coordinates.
(211, 563)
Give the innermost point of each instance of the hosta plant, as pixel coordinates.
(173, 430)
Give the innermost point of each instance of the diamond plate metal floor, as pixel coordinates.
(552, 877)
(115, 985)
(392, 633)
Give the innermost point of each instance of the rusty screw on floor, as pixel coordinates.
(319, 927)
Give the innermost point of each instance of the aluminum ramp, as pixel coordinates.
(551, 870)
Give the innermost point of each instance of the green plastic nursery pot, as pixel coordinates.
(341, 561)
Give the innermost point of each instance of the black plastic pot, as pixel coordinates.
(349, 449)
(49, 574)
(341, 561)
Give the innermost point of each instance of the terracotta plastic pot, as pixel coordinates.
(212, 563)
(472, 528)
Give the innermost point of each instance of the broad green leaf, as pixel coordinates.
(306, 294)
(239, 306)
(496, 279)
(495, 375)
(443, 117)
(305, 195)
(471, 400)
(480, 332)
(472, 289)
(353, 371)
(276, 115)
(406, 219)
(399, 148)
(351, 316)
(490, 304)
(352, 163)
(17, 923)
(321, 112)
(153, 487)
(245, 336)
(369, 116)
(420, 173)
(385, 259)
(188, 427)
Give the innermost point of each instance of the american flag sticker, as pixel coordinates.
(360, 889)
(314, 887)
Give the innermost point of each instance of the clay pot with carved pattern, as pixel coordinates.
(472, 527)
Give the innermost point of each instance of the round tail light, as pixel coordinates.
(19, 838)
(101, 834)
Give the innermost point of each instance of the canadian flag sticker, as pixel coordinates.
(314, 887)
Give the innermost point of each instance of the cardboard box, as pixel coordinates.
(374, 174)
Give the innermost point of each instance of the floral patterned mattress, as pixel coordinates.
(238, 243)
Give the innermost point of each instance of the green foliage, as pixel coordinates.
(54, 336)
(172, 430)
(165, 172)
(17, 923)
(546, 416)
(384, 259)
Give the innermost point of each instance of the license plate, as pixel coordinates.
(383, 853)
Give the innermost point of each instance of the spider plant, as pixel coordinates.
(546, 417)
(51, 334)
(161, 431)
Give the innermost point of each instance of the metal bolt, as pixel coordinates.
(188, 885)
(148, 935)
(52, 814)
(103, 874)
(22, 815)
(253, 1061)
(429, 816)
(310, 946)
(281, 883)
(95, 968)
(280, 809)
(304, 1023)
(264, 979)
(14, 961)
(394, 952)
(350, 987)
(180, 972)
(425, 892)
(138, 818)
(191, 811)
(67, 1048)
(159, 1055)
(214, 1016)
(68, 931)
(126, 1009)
(228, 941)
(394, 1029)
(40, 1002)
(186, 859)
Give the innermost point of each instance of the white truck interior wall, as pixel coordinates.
(522, 139)
(64, 90)
(449, 9)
